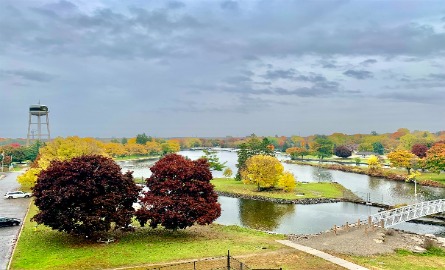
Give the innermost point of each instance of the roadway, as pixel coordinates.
(15, 208)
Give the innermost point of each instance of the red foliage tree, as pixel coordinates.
(419, 150)
(342, 151)
(84, 196)
(179, 195)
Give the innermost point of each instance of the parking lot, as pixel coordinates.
(15, 208)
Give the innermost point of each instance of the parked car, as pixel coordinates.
(17, 194)
(5, 221)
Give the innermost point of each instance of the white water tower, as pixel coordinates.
(38, 117)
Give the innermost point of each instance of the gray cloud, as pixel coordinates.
(368, 62)
(412, 97)
(440, 76)
(358, 74)
(29, 75)
(175, 5)
(232, 57)
(280, 74)
(229, 5)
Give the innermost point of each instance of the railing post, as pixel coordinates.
(228, 259)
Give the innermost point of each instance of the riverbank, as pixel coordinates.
(306, 193)
(386, 173)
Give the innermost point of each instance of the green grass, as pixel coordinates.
(47, 249)
(433, 177)
(403, 259)
(310, 190)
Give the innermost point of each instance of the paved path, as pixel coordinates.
(321, 254)
(15, 208)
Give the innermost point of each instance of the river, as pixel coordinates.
(304, 219)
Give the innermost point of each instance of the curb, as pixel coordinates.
(8, 266)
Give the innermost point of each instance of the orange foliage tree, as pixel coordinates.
(435, 158)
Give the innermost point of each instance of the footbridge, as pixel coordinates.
(399, 215)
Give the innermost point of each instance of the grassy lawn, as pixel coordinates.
(47, 249)
(433, 259)
(310, 190)
(433, 176)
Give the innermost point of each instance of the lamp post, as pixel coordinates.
(3, 157)
(415, 188)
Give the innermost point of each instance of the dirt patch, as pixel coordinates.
(362, 241)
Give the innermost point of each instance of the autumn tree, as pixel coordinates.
(295, 152)
(153, 147)
(322, 147)
(263, 171)
(287, 182)
(180, 194)
(84, 196)
(374, 164)
(419, 150)
(171, 146)
(60, 149)
(253, 146)
(342, 151)
(402, 158)
(435, 158)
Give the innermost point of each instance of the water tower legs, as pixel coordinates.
(42, 119)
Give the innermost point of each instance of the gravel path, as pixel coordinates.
(362, 242)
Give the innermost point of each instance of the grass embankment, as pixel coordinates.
(136, 157)
(305, 190)
(47, 249)
(403, 259)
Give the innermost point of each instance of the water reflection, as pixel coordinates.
(322, 175)
(261, 215)
(379, 189)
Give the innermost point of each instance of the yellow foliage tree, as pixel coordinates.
(135, 149)
(374, 164)
(61, 149)
(287, 182)
(171, 146)
(153, 147)
(115, 149)
(402, 158)
(264, 171)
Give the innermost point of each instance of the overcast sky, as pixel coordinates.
(113, 68)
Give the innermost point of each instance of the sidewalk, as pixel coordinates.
(328, 257)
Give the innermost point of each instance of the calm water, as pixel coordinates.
(304, 219)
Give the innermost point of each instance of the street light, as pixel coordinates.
(3, 157)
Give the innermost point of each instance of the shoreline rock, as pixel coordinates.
(282, 201)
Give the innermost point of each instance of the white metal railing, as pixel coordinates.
(402, 214)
